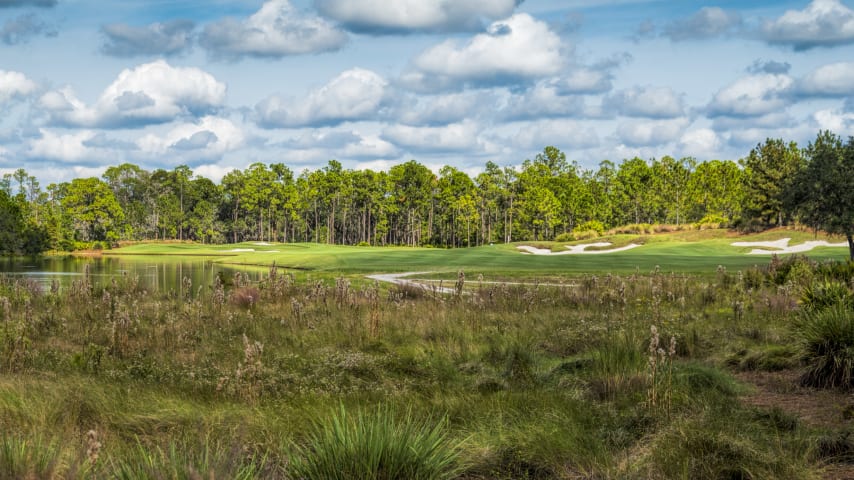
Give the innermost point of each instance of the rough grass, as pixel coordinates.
(505, 381)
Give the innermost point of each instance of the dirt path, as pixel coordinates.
(825, 409)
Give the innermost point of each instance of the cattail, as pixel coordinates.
(461, 283)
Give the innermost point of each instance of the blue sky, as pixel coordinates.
(218, 84)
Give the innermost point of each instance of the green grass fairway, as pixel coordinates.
(684, 252)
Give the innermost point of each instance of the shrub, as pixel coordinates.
(711, 221)
(819, 295)
(376, 445)
(826, 339)
(591, 225)
(565, 237)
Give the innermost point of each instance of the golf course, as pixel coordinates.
(687, 355)
(689, 251)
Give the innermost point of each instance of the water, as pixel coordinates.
(155, 273)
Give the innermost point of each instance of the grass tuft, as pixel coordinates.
(376, 444)
(827, 342)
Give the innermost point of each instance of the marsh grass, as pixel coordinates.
(536, 380)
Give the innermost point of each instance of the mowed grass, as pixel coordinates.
(684, 252)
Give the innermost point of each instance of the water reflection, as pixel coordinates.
(155, 273)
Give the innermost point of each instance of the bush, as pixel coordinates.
(711, 221)
(820, 295)
(826, 339)
(592, 225)
(376, 445)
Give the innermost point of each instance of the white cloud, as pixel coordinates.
(455, 137)
(209, 137)
(834, 120)
(835, 79)
(650, 102)
(65, 147)
(702, 143)
(518, 48)
(276, 30)
(15, 85)
(822, 23)
(352, 95)
(543, 100)
(213, 172)
(586, 81)
(443, 109)
(370, 147)
(150, 93)
(565, 134)
(382, 16)
(750, 96)
(651, 132)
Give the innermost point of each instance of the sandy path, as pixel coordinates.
(398, 279)
(782, 246)
(577, 249)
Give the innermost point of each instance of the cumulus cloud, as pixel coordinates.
(649, 102)
(15, 85)
(27, 3)
(544, 100)
(355, 94)
(702, 143)
(210, 137)
(823, 23)
(833, 80)
(149, 93)
(456, 137)
(19, 30)
(709, 22)
(836, 121)
(369, 147)
(66, 148)
(517, 49)
(586, 81)
(276, 30)
(565, 134)
(751, 96)
(405, 16)
(444, 108)
(168, 38)
(637, 133)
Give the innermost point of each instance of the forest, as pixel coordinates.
(547, 198)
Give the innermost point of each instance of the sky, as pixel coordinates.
(218, 85)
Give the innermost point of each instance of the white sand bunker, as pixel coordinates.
(262, 244)
(242, 250)
(782, 246)
(577, 249)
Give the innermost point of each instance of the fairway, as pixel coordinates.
(682, 252)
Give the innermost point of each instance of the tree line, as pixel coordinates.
(546, 198)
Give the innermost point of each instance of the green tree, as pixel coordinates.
(823, 191)
(93, 209)
(770, 169)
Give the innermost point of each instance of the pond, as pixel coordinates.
(155, 273)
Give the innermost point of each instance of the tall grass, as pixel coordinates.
(538, 380)
(376, 444)
(827, 341)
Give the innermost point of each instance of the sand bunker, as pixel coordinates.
(577, 249)
(398, 279)
(242, 250)
(262, 244)
(782, 246)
